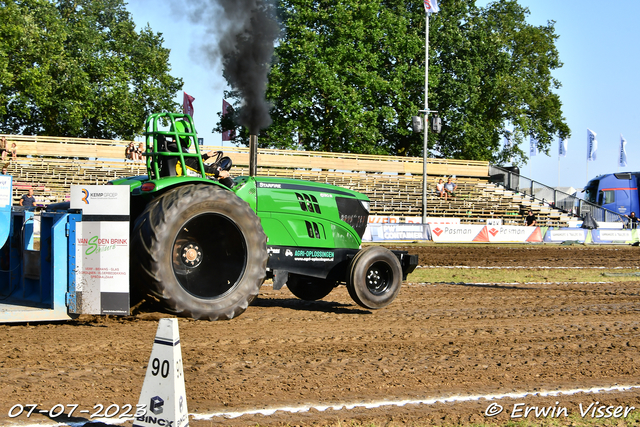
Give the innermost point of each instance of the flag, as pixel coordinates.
(227, 135)
(187, 104)
(622, 161)
(431, 6)
(563, 145)
(592, 145)
(533, 149)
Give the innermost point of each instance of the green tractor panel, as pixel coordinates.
(202, 243)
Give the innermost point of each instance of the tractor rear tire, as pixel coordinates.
(309, 288)
(375, 276)
(200, 251)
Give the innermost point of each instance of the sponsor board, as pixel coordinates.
(377, 219)
(102, 267)
(611, 236)
(101, 239)
(381, 232)
(564, 234)
(505, 233)
(100, 199)
(458, 233)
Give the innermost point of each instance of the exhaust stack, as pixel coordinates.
(253, 155)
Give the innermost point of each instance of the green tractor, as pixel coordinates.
(202, 246)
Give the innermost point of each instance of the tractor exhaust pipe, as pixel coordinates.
(253, 155)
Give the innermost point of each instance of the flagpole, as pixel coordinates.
(425, 146)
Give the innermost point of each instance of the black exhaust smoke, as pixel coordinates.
(243, 35)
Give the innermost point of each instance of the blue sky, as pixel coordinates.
(598, 44)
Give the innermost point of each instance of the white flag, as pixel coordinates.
(592, 145)
(533, 149)
(563, 145)
(431, 6)
(622, 161)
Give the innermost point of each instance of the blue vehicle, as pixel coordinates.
(617, 192)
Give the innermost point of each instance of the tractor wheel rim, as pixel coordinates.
(209, 256)
(378, 278)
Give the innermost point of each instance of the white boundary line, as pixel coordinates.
(525, 267)
(400, 403)
(370, 405)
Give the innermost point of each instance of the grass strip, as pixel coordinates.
(436, 275)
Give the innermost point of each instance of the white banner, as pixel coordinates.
(533, 146)
(102, 266)
(563, 145)
(518, 234)
(565, 234)
(101, 199)
(592, 145)
(622, 161)
(457, 233)
(616, 235)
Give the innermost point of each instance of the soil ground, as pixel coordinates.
(435, 340)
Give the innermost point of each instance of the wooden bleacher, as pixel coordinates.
(394, 184)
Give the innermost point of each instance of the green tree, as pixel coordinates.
(348, 76)
(79, 68)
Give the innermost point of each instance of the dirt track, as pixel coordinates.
(435, 340)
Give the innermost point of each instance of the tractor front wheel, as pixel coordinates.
(375, 276)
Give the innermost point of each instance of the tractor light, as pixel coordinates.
(148, 186)
(365, 204)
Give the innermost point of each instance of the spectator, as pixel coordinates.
(440, 189)
(633, 220)
(4, 170)
(130, 152)
(139, 151)
(3, 148)
(450, 187)
(531, 219)
(14, 151)
(27, 200)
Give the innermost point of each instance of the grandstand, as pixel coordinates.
(394, 184)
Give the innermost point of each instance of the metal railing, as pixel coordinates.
(554, 198)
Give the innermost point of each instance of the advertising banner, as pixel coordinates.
(102, 249)
(560, 235)
(459, 233)
(381, 232)
(612, 236)
(515, 234)
(101, 199)
(377, 219)
(102, 267)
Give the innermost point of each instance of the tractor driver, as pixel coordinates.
(211, 170)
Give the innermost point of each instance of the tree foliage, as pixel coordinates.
(349, 75)
(79, 68)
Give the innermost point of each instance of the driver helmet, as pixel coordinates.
(181, 126)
